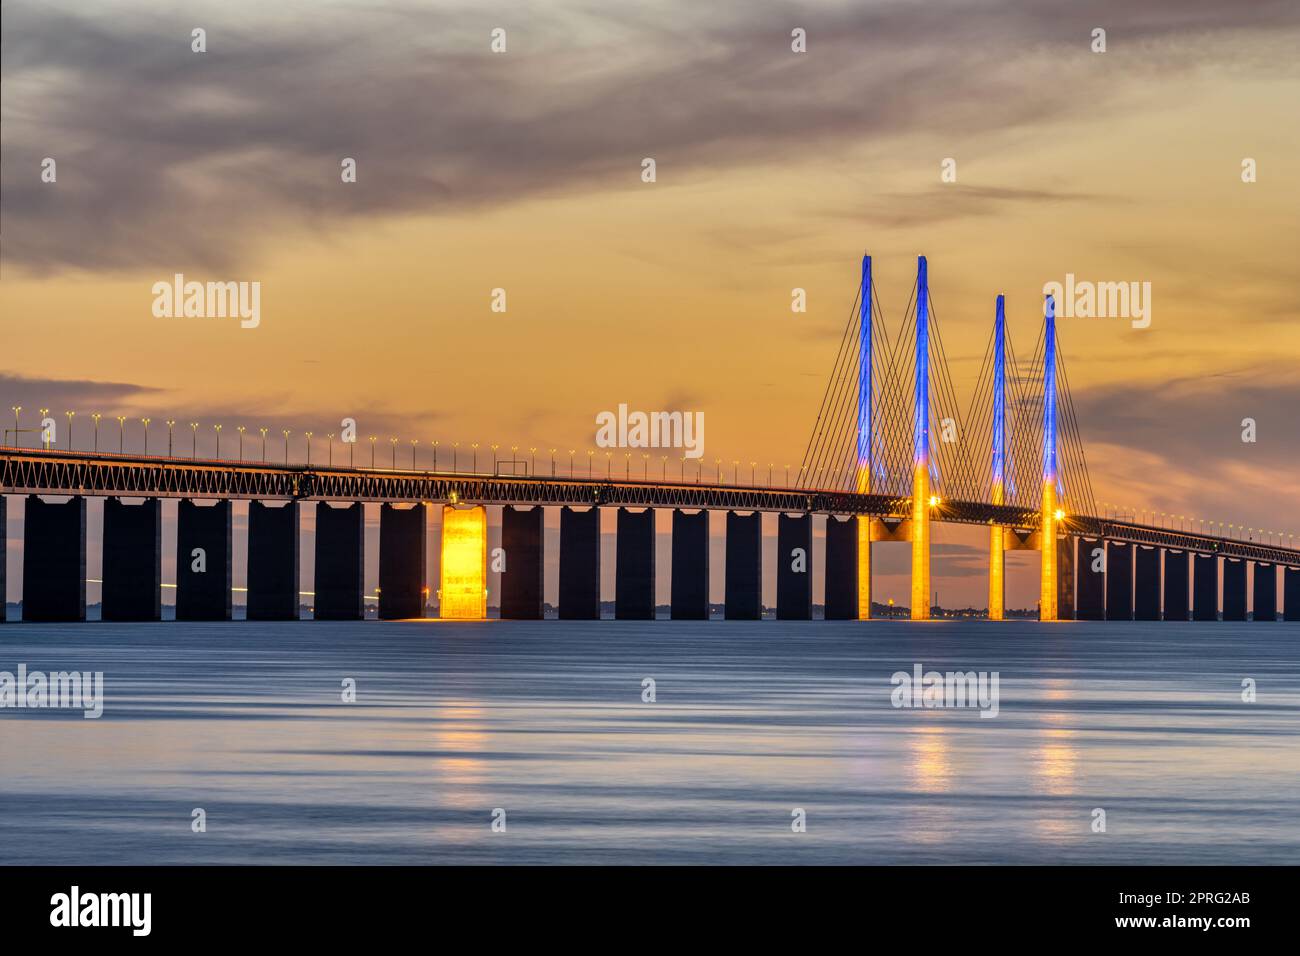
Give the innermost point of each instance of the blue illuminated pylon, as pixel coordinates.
(864, 381)
(922, 501)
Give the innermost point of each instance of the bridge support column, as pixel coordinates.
(272, 562)
(1291, 594)
(4, 544)
(580, 564)
(842, 568)
(921, 543)
(690, 575)
(744, 571)
(1092, 579)
(132, 589)
(1065, 577)
(1050, 585)
(203, 552)
(1177, 579)
(1119, 581)
(1146, 583)
(864, 568)
(1234, 590)
(634, 566)
(522, 538)
(997, 573)
(1265, 600)
(794, 567)
(402, 566)
(340, 562)
(54, 560)
(462, 587)
(1205, 588)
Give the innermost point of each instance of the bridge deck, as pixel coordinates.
(49, 472)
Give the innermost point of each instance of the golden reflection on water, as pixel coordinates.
(1054, 766)
(458, 729)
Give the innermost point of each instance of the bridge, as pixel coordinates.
(890, 453)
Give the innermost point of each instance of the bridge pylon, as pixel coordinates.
(997, 533)
(1048, 578)
(864, 449)
(921, 451)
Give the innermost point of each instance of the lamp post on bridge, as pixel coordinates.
(286, 433)
(308, 434)
(45, 435)
(435, 455)
(171, 423)
(241, 429)
(96, 416)
(414, 442)
(329, 459)
(69, 414)
(393, 441)
(15, 409)
(372, 451)
(474, 458)
(145, 422)
(263, 431)
(217, 429)
(194, 440)
(121, 434)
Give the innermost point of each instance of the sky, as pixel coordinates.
(774, 170)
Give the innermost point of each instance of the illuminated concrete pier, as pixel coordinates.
(54, 560)
(690, 568)
(273, 561)
(580, 564)
(402, 564)
(522, 540)
(744, 570)
(462, 591)
(794, 567)
(634, 565)
(203, 561)
(921, 502)
(132, 588)
(340, 562)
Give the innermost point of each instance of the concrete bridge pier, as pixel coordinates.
(272, 562)
(402, 565)
(132, 589)
(340, 562)
(522, 581)
(794, 567)
(579, 564)
(690, 572)
(1066, 574)
(1205, 588)
(1146, 583)
(1291, 594)
(842, 568)
(1177, 580)
(1119, 581)
(744, 571)
(203, 552)
(634, 565)
(54, 560)
(1265, 601)
(1092, 580)
(1234, 589)
(4, 543)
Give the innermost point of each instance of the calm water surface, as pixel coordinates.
(752, 720)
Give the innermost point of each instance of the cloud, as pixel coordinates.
(170, 159)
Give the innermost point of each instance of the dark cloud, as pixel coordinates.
(170, 159)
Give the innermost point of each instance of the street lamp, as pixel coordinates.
(455, 464)
(474, 460)
(69, 414)
(171, 423)
(121, 433)
(263, 431)
(435, 455)
(15, 409)
(145, 422)
(45, 435)
(372, 451)
(330, 459)
(96, 416)
(590, 455)
(494, 458)
(240, 429)
(392, 440)
(308, 434)
(194, 439)
(286, 432)
(414, 442)
(217, 429)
